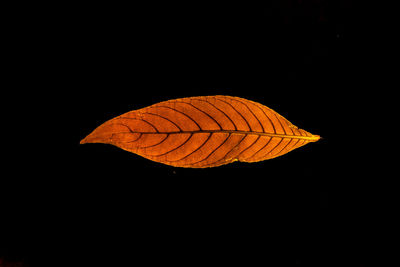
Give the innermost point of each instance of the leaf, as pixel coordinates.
(205, 131)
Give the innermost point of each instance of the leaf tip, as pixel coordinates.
(83, 141)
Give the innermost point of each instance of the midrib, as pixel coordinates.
(309, 138)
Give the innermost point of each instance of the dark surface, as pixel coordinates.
(97, 205)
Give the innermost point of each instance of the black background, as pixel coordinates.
(97, 205)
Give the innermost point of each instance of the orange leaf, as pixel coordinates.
(205, 131)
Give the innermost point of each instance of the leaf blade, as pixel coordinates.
(201, 132)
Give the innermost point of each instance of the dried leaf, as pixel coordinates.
(199, 132)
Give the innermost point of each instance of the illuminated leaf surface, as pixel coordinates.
(199, 132)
